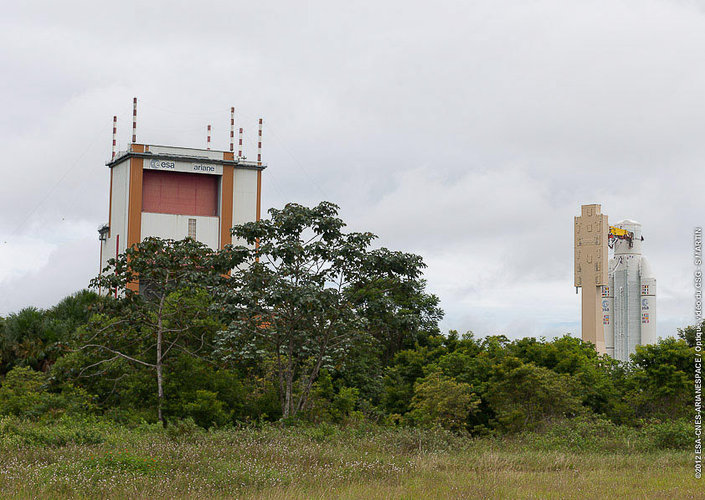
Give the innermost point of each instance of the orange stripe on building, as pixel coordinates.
(226, 201)
(134, 210)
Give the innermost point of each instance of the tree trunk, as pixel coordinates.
(289, 379)
(160, 388)
(288, 395)
(160, 385)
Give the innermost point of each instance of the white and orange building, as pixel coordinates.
(174, 192)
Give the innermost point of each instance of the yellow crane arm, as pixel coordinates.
(619, 232)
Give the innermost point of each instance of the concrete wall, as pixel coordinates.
(591, 230)
(118, 213)
(244, 198)
(176, 227)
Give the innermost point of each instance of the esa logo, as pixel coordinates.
(161, 164)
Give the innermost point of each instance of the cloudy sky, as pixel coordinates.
(466, 131)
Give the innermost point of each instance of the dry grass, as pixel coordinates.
(276, 463)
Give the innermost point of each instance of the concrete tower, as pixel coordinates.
(629, 300)
(591, 237)
(174, 192)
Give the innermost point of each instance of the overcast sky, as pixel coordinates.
(469, 132)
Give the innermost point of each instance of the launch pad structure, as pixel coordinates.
(618, 300)
(591, 233)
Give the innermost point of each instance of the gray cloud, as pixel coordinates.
(468, 132)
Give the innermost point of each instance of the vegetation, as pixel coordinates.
(93, 459)
(315, 361)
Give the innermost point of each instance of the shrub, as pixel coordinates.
(206, 410)
(443, 401)
(526, 396)
(23, 393)
(183, 429)
(676, 434)
(321, 432)
(16, 432)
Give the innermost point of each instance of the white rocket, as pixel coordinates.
(629, 301)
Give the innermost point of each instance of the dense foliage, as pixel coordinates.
(310, 324)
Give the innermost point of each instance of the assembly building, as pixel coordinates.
(175, 192)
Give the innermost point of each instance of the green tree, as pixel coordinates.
(407, 367)
(294, 304)
(662, 379)
(171, 314)
(24, 393)
(395, 305)
(443, 401)
(37, 338)
(197, 388)
(689, 333)
(25, 341)
(524, 395)
(601, 378)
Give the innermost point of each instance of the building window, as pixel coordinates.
(192, 228)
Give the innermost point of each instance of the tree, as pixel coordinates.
(24, 393)
(295, 303)
(524, 395)
(171, 314)
(394, 303)
(600, 376)
(443, 401)
(662, 379)
(37, 338)
(689, 333)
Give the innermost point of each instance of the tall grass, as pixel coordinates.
(93, 459)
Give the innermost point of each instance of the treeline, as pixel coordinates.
(308, 323)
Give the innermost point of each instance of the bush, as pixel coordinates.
(584, 433)
(321, 432)
(183, 429)
(676, 434)
(443, 401)
(525, 396)
(23, 393)
(15, 432)
(206, 410)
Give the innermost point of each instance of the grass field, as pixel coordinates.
(99, 460)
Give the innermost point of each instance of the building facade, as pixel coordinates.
(173, 192)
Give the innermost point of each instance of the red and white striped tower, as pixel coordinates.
(239, 143)
(114, 135)
(134, 120)
(232, 129)
(259, 143)
(208, 141)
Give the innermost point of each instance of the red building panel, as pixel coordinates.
(179, 193)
